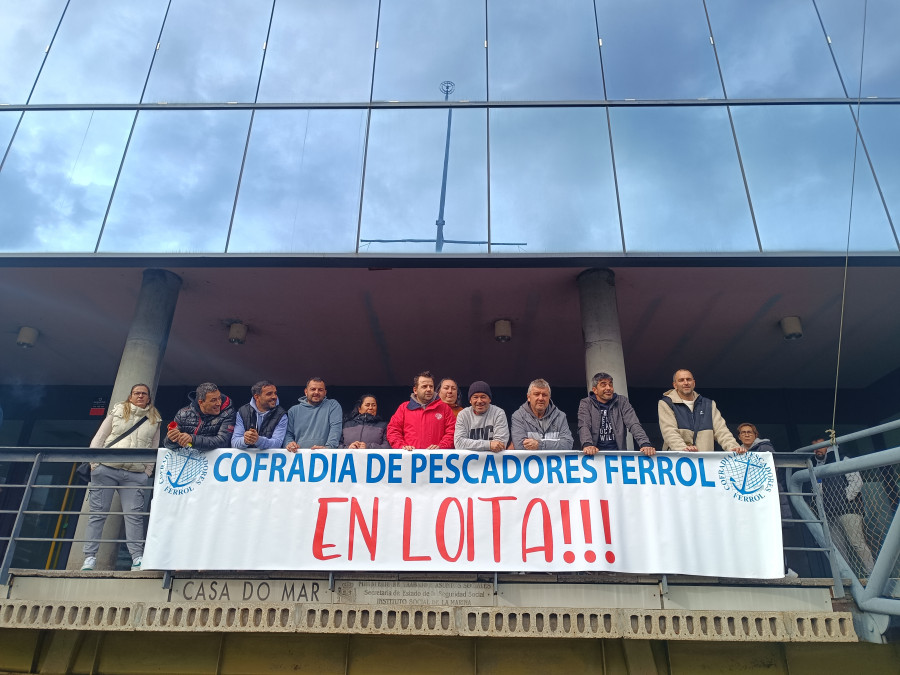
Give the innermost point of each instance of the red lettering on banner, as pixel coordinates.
(318, 545)
(604, 511)
(568, 556)
(439, 529)
(495, 517)
(547, 546)
(590, 556)
(369, 536)
(470, 529)
(407, 535)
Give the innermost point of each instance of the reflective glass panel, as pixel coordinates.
(551, 181)
(300, 187)
(799, 165)
(210, 51)
(772, 49)
(543, 51)
(422, 43)
(178, 182)
(26, 29)
(404, 172)
(320, 51)
(8, 122)
(657, 49)
(881, 67)
(680, 182)
(880, 125)
(101, 53)
(57, 179)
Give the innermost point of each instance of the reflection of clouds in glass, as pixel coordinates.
(844, 24)
(799, 164)
(880, 125)
(320, 52)
(551, 180)
(8, 122)
(657, 49)
(26, 29)
(300, 186)
(679, 181)
(79, 67)
(403, 178)
(57, 179)
(424, 42)
(772, 49)
(178, 182)
(543, 51)
(209, 51)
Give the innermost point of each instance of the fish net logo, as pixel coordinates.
(182, 470)
(747, 477)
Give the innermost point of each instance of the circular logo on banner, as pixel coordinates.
(182, 470)
(748, 477)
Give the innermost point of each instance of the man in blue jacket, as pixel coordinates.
(315, 422)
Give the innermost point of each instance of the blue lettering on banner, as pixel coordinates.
(587, 463)
(419, 463)
(371, 459)
(451, 465)
(507, 460)
(554, 464)
(394, 468)
(540, 467)
(490, 469)
(627, 470)
(465, 469)
(572, 469)
(433, 476)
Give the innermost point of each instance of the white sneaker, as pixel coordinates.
(89, 563)
(136, 564)
(791, 574)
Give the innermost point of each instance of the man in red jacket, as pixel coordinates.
(424, 422)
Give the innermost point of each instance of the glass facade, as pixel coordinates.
(474, 127)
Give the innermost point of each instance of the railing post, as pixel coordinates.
(826, 531)
(17, 525)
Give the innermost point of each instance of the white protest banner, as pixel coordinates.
(712, 514)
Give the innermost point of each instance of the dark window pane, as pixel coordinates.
(543, 51)
(425, 42)
(657, 49)
(26, 29)
(799, 164)
(680, 181)
(210, 51)
(57, 179)
(178, 183)
(772, 49)
(551, 181)
(403, 180)
(300, 188)
(320, 51)
(881, 67)
(101, 53)
(880, 125)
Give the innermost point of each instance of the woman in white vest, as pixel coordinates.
(131, 424)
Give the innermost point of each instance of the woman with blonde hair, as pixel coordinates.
(133, 423)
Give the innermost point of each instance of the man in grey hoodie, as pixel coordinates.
(538, 424)
(315, 422)
(482, 426)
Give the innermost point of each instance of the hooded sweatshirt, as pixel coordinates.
(475, 432)
(310, 425)
(271, 425)
(552, 430)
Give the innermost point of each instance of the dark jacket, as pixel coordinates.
(765, 445)
(208, 432)
(370, 429)
(621, 416)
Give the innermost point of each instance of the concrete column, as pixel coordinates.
(141, 362)
(600, 327)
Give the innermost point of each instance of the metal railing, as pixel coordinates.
(856, 505)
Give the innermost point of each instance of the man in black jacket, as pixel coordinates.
(206, 424)
(604, 417)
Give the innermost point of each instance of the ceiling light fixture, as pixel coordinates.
(791, 327)
(27, 337)
(502, 330)
(237, 333)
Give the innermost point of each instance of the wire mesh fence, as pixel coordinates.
(859, 507)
